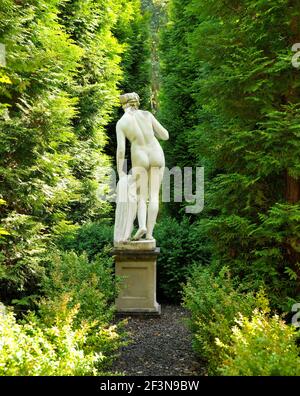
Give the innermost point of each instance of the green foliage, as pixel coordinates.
(261, 346)
(71, 332)
(91, 238)
(22, 256)
(158, 15)
(214, 302)
(132, 31)
(230, 99)
(178, 250)
(269, 246)
(177, 109)
(101, 339)
(74, 282)
(90, 285)
(136, 60)
(34, 349)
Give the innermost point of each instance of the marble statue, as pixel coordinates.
(138, 192)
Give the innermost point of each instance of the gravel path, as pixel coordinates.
(159, 346)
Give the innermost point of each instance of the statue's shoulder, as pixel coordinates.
(146, 113)
(121, 121)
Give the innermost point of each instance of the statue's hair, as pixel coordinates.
(130, 100)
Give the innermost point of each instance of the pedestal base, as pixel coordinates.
(136, 266)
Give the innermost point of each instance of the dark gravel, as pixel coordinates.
(159, 346)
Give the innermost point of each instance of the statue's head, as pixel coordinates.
(130, 100)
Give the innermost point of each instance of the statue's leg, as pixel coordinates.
(155, 179)
(141, 177)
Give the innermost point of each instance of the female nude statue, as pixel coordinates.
(142, 130)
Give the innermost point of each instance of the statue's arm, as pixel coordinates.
(159, 130)
(121, 147)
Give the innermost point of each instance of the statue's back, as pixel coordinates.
(138, 128)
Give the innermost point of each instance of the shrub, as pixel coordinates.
(71, 333)
(180, 245)
(214, 303)
(261, 346)
(101, 337)
(91, 238)
(22, 256)
(89, 284)
(33, 349)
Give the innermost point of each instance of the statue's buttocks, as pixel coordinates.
(145, 148)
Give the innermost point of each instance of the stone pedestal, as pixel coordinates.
(136, 265)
